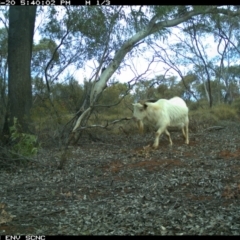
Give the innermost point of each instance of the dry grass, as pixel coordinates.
(206, 117)
(225, 112)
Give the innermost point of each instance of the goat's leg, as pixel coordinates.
(169, 137)
(187, 139)
(183, 132)
(157, 135)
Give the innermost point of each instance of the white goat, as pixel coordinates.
(163, 113)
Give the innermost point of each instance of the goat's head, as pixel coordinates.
(139, 113)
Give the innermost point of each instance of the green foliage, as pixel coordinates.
(51, 113)
(66, 97)
(94, 24)
(164, 12)
(24, 143)
(201, 104)
(217, 89)
(112, 95)
(138, 17)
(159, 87)
(44, 115)
(42, 53)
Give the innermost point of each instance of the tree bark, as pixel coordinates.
(20, 41)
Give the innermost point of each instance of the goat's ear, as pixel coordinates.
(145, 105)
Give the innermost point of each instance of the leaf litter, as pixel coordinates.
(121, 186)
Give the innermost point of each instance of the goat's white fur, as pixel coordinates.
(163, 114)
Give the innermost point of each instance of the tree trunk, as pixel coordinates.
(20, 40)
(206, 91)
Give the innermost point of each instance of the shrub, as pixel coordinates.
(236, 105)
(23, 143)
(225, 112)
(201, 119)
(201, 104)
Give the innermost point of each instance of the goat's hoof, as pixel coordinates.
(147, 147)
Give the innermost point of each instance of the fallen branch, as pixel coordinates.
(118, 120)
(107, 124)
(214, 128)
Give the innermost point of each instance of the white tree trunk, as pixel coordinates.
(206, 91)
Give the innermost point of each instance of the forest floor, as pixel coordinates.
(117, 185)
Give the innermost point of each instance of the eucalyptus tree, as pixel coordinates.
(79, 34)
(20, 39)
(3, 73)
